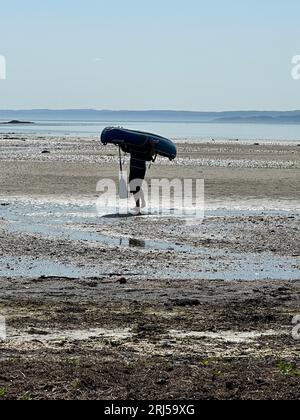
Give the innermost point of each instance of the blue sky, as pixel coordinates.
(158, 54)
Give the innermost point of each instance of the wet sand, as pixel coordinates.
(148, 307)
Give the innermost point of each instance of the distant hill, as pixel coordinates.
(262, 119)
(15, 122)
(233, 117)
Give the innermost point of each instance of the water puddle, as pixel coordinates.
(27, 267)
(236, 268)
(227, 268)
(73, 234)
(226, 336)
(94, 334)
(68, 335)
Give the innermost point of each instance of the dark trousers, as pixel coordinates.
(137, 176)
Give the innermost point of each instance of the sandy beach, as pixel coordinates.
(105, 307)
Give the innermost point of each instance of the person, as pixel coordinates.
(137, 175)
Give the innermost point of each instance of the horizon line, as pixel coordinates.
(145, 110)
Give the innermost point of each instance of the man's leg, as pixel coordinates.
(137, 198)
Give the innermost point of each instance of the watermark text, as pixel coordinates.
(169, 197)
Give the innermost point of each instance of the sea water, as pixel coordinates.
(174, 130)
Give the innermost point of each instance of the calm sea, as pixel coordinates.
(201, 131)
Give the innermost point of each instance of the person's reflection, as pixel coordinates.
(137, 243)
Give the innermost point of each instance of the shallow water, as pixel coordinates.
(27, 267)
(199, 131)
(227, 336)
(70, 335)
(47, 336)
(77, 221)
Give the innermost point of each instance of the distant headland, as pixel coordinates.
(15, 122)
(113, 116)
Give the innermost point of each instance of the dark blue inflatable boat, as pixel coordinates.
(137, 141)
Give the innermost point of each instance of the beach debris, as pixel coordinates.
(122, 280)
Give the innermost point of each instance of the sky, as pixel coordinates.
(150, 54)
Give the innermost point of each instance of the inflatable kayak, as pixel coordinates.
(136, 141)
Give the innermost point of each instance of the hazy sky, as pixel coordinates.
(150, 54)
